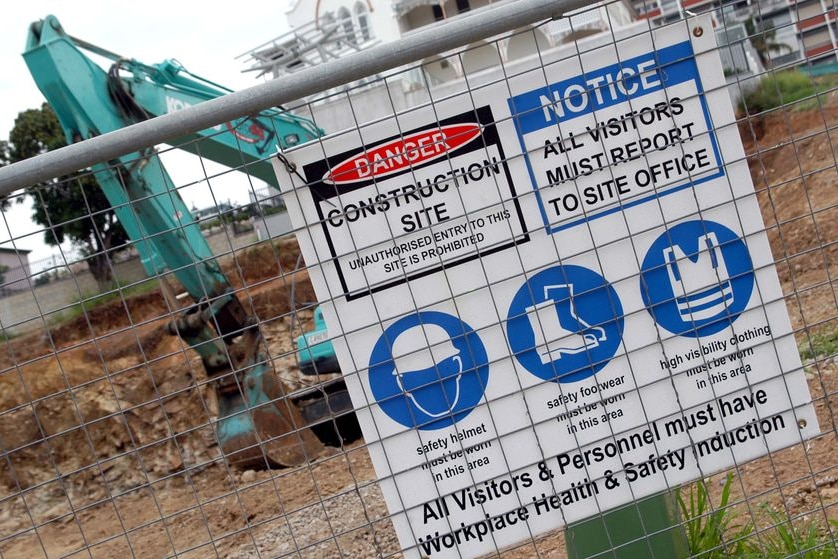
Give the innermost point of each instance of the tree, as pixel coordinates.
(4, 153)
(763, 38)
(69, 207)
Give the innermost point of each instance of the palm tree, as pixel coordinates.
(763, 37)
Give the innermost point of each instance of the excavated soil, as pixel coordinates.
(105, 425)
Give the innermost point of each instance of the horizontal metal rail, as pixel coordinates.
(486, 23)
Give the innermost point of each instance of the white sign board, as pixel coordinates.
(551, 295)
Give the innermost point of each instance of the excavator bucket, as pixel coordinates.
(258, 427)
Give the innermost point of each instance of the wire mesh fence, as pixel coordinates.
(175, 393)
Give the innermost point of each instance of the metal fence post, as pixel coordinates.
(618, 534)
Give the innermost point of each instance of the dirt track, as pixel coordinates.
(123, 460)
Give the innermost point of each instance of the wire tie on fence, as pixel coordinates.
(292, 168)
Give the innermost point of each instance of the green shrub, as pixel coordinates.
(271, 210)
(775, 90)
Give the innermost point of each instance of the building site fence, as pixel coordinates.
(108, 423)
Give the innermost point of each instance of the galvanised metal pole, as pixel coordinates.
(649, 528)
(495, 19)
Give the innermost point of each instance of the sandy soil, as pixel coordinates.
(119, 460)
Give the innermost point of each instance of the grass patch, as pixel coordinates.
(88, 302)
(787, 539)
(782, 88)
(819, 345)
(711, 533)
(719, 533)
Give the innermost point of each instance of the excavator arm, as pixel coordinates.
(142, 91)
(257, 424)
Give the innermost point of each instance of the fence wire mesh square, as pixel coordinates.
(118, 358)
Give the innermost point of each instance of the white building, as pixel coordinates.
(328, 29)
(14, 268)
(774, 17)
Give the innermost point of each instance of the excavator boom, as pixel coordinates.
(257, 424)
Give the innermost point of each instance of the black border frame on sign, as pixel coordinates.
(321, 191)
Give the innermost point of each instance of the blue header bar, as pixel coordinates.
(601, 88)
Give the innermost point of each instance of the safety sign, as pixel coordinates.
(697, 278)
(428, 370)
(603, 141)
(565, 324)
(552, 294)
(416, 201)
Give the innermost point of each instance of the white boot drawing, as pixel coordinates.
(558, 328)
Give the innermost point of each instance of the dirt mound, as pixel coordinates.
(792, 157)
(109, 396)
(118, 314)
(255, 264)
(100, 403)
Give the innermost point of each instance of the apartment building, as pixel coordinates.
(793, 30)
(816, 24)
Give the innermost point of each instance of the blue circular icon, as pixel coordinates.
(565, 324)
(697, 278)
(428, 370)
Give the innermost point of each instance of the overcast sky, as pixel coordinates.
(204, 37)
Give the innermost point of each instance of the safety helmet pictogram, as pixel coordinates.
(428, 367)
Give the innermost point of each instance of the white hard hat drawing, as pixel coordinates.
(426, 362)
